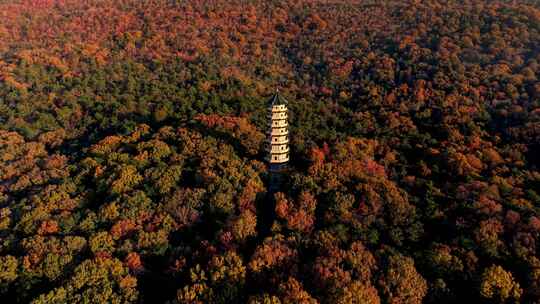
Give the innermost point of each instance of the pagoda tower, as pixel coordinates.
(277, 145)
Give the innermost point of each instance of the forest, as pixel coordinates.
(132, 161)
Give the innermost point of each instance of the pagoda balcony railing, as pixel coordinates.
(278, 140)
(277, 115)
(278, 132)
(277, 159)
(279, 108)
(282, 143)
(276, 147)
(279, 123)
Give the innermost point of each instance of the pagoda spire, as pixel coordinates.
(277, 145)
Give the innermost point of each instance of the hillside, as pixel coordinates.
(132, 164)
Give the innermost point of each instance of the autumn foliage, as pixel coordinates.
(132, 151)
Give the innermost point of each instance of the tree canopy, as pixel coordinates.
(132, 159)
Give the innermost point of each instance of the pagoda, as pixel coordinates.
(277, 145)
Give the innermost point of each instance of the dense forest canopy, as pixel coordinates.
(132, 162)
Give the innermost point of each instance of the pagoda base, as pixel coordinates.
(278, 167)
(276, 171)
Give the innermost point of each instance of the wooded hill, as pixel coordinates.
(132, 163)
